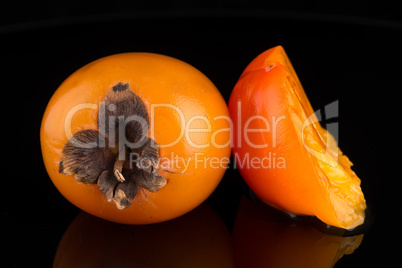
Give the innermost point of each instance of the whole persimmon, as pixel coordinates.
(131, 138)
(286, 157)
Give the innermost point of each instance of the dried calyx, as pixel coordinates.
(118, 157)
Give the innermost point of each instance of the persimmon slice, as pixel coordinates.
(307, 173)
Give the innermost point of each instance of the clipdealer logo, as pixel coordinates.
(270, 160)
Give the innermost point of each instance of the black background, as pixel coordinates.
(345, 52)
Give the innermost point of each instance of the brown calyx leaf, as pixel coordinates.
(151, 181)
(145, 173)
(122, 193)
(83, 158)
(123, 112)
(125, 193)
(148, 159)
(98, 157)
(107, 184)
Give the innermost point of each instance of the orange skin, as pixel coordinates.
(294, 181)
(197, 239)
(156, 79)
(263, 237)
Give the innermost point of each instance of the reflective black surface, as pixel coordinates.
(354, 61)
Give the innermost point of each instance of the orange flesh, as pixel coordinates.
(345, 193)
(330, 189)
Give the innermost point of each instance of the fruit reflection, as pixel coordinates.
(197, 239)
(264, 237)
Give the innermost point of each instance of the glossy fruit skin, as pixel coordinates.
(183, 91)
(253, 103)
(269, 91)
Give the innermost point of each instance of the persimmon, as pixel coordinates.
(197, 239)
(125, 138)
(286, 157)
(263, 237)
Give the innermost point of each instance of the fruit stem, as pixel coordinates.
(117, 170)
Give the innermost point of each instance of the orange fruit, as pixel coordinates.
(281, 150)
(170, 105)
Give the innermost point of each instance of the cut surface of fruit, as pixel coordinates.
(315, 177)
